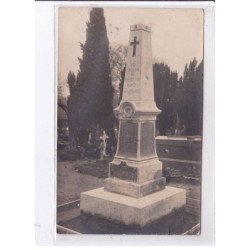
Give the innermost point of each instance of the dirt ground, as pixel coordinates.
(70, 183)
(74, 177)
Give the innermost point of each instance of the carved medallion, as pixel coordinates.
(127, 110)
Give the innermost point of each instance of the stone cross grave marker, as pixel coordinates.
(103, 144)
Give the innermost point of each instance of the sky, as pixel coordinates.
(177, 34)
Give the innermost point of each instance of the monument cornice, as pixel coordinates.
(140, 108)
(140, 27)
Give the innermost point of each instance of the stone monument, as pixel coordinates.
(135, 192)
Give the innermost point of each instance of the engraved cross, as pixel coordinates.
(134, 43)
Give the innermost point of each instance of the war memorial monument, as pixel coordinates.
(135, 192)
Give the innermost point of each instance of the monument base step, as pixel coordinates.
(134, 189)
(129, 210)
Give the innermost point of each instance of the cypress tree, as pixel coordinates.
(121, 84)
(198, 100)
(93, 83)
(165, 90)
(190, 95)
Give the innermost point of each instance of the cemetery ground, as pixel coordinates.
(74, 177)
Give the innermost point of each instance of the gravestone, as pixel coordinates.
(135, 192)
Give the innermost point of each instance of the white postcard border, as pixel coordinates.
(46, 54)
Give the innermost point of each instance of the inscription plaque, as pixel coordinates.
(128, 139)
(147, 139)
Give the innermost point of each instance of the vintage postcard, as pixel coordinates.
(130, 87)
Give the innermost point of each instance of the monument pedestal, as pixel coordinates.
(135, 178)
(130, 210)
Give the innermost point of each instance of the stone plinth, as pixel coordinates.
(135, 178)
(129, 210)
(133, 189)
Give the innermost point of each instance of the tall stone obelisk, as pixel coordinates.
(136, 162)
(135, 192)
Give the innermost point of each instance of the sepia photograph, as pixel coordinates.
(129, 120)
(133, 124)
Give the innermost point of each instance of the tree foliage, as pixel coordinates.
(117, 59)
(190, 105)
(179, 99)
(165, 86)
(91, 92)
